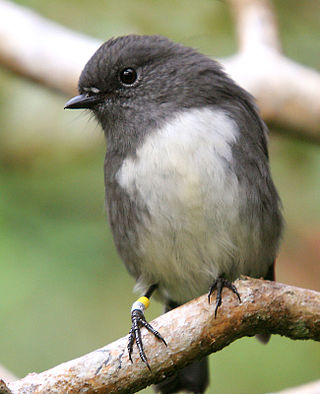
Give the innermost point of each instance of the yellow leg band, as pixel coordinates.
(145, 301)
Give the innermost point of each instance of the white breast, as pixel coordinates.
(182, 174)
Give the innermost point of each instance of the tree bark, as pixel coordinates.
(191, 332)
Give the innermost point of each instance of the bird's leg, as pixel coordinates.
(138, 320)
(218, 285)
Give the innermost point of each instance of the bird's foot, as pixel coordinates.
(218, 285)
(138, 320)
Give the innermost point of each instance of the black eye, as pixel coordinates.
(128, 76)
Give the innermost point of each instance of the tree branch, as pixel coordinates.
(255, 24)
(6, 375)
(288, 93)
(42, 50)
(191, 331)
(309, 388)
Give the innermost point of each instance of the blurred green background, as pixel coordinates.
(63, 289)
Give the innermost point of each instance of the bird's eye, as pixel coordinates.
(128, 76)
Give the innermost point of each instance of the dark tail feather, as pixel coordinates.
(264, 338)
(194, 379)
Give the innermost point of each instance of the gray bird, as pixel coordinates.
(189, 194)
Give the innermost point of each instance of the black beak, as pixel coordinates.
(83, 101)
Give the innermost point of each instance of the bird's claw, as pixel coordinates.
(138, 320)
(218, 285)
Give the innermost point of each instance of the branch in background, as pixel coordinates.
(6, 375)
(191, 331)
(255, 25)
(288, 93)
(310, 388)
(41, 50)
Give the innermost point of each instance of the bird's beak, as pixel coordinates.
(83, 101)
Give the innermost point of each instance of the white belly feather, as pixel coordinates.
(193, 232)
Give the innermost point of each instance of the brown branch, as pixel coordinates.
(288, 93)
(191, 331)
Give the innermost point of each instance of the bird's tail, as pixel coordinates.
(193, 378)
(264, 337)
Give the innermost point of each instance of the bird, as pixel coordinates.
(189, 194)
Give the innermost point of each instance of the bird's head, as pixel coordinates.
(136, 82)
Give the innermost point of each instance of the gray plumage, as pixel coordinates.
(188, 187)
